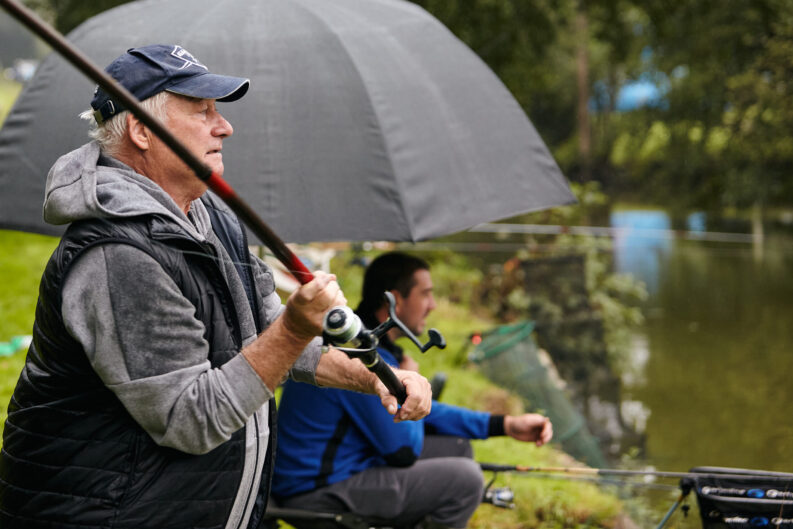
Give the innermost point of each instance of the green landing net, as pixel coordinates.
(509, 356)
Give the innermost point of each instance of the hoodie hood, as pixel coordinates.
(86, 184)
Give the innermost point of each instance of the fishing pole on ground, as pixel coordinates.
(716, 474)
(603, 481)
(504, 496)
(214, 181)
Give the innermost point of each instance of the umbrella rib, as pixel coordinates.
(397, 196)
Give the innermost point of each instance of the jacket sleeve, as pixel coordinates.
(270, 307)
(143, 340)
(445, 419)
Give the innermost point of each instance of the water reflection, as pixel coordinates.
(644, 237)
(640, 243)
(713, 362)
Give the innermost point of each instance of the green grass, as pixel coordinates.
(22, 260)
(540, 503)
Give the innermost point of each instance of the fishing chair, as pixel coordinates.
(315, 520)
(301, 519)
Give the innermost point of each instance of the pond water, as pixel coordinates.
(710, 377)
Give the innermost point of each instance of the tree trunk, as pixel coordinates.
(582, 78)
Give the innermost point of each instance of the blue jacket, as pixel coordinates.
(325, 435)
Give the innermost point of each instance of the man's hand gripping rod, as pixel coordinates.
(344, 330)
(213, 180)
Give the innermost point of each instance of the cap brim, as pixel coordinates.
(212, 86)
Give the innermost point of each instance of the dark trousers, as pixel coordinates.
(444, 488)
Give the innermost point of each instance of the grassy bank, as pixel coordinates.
(539, 502)
(22, 260)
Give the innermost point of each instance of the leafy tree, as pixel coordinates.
(721, 138)
(66, 15)
(725, 138)
(535, 48)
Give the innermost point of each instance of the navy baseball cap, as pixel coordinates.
(148, 70)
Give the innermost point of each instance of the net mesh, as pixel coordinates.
(510, 357)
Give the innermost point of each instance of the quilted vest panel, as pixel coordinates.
(72, 456)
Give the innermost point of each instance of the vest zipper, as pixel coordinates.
(237, 336)
(251, 487)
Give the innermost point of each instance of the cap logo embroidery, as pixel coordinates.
(187, 58)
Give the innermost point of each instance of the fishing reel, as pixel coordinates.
(343, 329)
(502, 497)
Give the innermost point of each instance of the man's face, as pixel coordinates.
(414, 309)
(201, 128)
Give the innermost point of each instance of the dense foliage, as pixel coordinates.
(718, 134)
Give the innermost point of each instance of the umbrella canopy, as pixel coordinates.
(365, 120)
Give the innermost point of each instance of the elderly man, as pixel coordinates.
(146, 396)
(340, 453)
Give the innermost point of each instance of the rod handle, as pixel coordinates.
(388, 377)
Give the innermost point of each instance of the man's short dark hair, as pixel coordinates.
(389, 271)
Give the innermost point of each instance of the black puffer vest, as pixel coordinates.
(72, 456)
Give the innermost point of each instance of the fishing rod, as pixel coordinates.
(615, 482)
(213, 180)
(726, 474)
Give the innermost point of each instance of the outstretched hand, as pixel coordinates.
(529, 427)
(418, 403)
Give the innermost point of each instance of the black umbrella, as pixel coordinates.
(366, 119)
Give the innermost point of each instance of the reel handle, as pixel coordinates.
(436, 338)
(342, 326)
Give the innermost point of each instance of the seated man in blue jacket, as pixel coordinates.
(339, 452)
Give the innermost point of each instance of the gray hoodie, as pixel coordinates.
(139, 331)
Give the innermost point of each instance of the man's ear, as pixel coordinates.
(138, 133)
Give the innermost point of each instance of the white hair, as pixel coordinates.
(111, 133)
